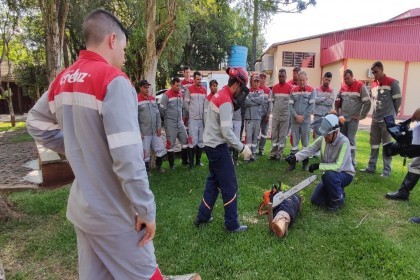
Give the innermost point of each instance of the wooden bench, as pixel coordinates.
(55, 169)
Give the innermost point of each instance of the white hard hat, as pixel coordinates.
(329, 124)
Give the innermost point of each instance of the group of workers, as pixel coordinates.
(106, 131)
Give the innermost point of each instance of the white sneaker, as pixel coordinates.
(193, 276)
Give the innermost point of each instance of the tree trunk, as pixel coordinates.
(54, 21)
(153, 51)
(254, 35)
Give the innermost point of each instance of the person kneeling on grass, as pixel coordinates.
(336, 163)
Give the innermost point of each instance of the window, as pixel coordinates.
(301, 59)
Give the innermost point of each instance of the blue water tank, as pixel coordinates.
(237, 57)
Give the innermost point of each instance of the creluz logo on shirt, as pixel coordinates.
(74, 77)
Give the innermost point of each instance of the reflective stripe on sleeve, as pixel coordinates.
(122, 139)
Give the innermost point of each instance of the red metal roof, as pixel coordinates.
(392, 40)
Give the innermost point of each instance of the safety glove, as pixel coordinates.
(313, 167)
(246, 152)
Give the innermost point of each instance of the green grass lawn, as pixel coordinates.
(21, 134)
(370, 238)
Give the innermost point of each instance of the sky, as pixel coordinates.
(332, 15)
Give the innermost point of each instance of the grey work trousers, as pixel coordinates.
(300, 132)
(414, 166)
(349, 130)
(262, 137)
(156, 143)
(378, 135)
(196, 130)
(115, 256)
(279, 128)
(172, 133)
(252, 130)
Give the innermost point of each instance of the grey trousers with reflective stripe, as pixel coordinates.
(414, 166)
(349, 130)
(279, 130)
(115, 256)
(252, 130)
(378, 135)
(300, 132)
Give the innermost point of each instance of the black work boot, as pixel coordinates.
(305, 164)
(184, 156)
(171, 160)
(407, 185)
(191, 157)
(159, 165)
(198, 153)
(148, 168)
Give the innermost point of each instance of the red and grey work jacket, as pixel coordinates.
(194, 102)
(302, 102)
(355, 100)
(280, 96)
(386, 98)
(324, 100)
(148, 116)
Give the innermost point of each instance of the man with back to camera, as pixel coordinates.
(265, 114)
(89, 113)
(336, 164)
(301, 106)
(280, 116)
(171, 106)
(195, 96)
(218, 133)
(150, 126)
(386, 100)
(352, 102)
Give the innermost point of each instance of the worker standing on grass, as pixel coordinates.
(150, 126)
(265, 114)
(335, 163)
(89, 113)
(218, 133)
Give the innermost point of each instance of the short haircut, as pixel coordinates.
(378, 64)
(327, 75)
(302, 73)
(196, 73)
(348, 71)
(232, 81)
(185, 68)
(175, 80)
(98, 24)
(282, 70)
(213, 82)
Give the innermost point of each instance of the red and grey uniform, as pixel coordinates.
(266, 109)
(338, 169)
(171, 106)
(184, 85)
(292, 83)
(386, 100)
(89, 113)
(355, 103)
(280, 118)
(218, 133)
(253, 104)
(324, 100)
(301, 102)
(194, 98)
(150, 122)
(206, 105)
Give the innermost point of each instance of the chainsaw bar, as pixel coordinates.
(281, 196)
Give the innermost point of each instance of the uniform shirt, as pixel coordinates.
(266, 106)
(218, 129)
(324, 100)
(194, 101)
(171, 106)
(386, 98)
(292, 83)
(355, 100)
(90, 112)
(335, 156)
(302, 102)
(186, 83)
(253, 104)
(206, 104)
(281, 96)
(148, 116)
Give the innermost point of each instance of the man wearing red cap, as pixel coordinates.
(218, 133)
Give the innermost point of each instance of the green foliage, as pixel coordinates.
(6, 126)
(370, 238)
(32, 78)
